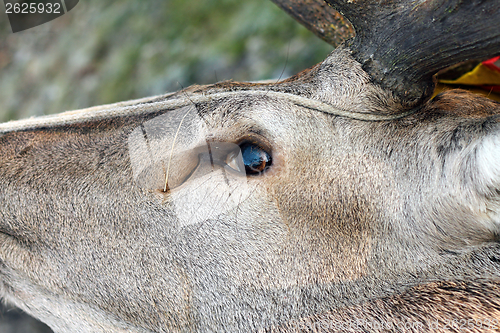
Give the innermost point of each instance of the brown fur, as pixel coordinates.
(383, 222)
(444, 306)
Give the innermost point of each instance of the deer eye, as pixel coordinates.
(250, 158)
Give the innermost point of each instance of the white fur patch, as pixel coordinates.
(488, 165)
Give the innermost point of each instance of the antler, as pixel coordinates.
(403, 43)
(324, 21)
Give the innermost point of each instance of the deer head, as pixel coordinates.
(341, 196)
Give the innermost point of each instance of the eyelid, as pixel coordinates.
(213, 154)
(223, 151)
(258, 140)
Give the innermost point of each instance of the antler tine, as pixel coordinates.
(324, 21)
(403, 43)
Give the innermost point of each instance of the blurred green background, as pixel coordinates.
(109, 51)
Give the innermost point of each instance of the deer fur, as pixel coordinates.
(355, 223)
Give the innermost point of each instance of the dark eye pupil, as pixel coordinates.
(256, 159)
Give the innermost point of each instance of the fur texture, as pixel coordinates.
(354, 221)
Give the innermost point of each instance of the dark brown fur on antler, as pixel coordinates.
(317, 16)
